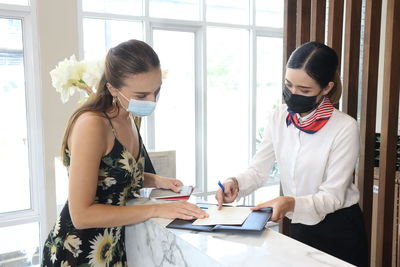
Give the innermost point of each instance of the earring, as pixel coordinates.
(114, 101)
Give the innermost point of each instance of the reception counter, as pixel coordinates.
(151, 244)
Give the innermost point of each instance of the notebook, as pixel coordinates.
(225, 215)
(256, 221)
(166, 194)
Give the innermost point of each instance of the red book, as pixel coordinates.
(176, 198)
(168, 194)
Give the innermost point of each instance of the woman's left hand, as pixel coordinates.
(280, 206)
(168, 183)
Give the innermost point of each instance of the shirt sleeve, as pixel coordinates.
(311, 209)
(258, 171)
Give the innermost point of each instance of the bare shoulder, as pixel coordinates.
(94, 119)
(90, 128)
(92, 122)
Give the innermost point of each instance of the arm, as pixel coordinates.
(311, 209)
(153, 180)
(150, 180)
(254, 176)
(87, 145)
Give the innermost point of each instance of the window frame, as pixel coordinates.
(37, 212)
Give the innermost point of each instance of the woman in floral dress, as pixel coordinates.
(102, 150)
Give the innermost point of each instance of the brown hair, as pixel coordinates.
(321, 63)
(128, 58)
(336, 92)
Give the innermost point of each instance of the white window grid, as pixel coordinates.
(37, 212)
(199, 28)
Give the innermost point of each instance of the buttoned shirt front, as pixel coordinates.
(316, 169)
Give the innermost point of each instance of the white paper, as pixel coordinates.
(226, 216)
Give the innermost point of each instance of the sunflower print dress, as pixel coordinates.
(120, 179)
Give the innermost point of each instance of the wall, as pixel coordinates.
(58, 38)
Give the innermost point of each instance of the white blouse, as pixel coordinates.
(316, 169)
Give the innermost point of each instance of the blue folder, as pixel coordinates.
(256, 221)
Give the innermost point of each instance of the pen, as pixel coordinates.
(222, 187)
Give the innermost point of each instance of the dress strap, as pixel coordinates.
(112, 127)
(140, 137)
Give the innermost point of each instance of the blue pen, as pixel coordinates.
(222, 187)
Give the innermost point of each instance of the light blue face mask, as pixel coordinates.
(140, 108)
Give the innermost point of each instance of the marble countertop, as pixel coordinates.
(171, 247)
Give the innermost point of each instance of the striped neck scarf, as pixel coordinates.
(316, 121)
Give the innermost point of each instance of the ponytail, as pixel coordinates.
(336, 92)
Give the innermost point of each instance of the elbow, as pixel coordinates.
(331, 204)
(79, 221)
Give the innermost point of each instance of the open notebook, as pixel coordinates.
(256, 221)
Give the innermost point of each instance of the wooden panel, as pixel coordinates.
(335, 26)
(318, 9)
(395, 230)
(396, 210)
(351, 57)
(289, 45)
(303, 21)
(376, 172)
(289, 30)
(388, 150)
(372, 31)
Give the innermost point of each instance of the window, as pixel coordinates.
(13, 141)
(15, 2)
(180, 9)
(269, 13)
(222, 65)
(177, 100)
(269, 96)
(20, 143)
(227, 103)
(102, 34)
(227, 11)
(123, 7)
(21, 248)
(269, 79)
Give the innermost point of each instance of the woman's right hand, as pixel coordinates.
(229, 194)
(180, 209)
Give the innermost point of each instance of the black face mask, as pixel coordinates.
(299, 103)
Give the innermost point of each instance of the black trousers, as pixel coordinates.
(341, 234)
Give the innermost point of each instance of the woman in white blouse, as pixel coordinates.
(316, 147)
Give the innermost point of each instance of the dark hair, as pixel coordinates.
(320, 62)
(128, 58)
